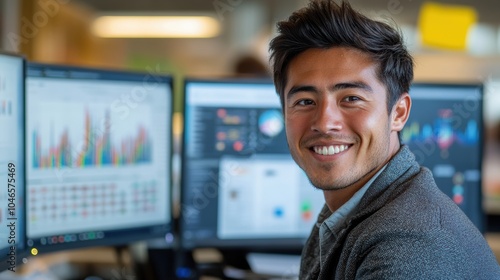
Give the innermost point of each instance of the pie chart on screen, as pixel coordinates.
(271, 123)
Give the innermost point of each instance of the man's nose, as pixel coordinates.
(328, 117)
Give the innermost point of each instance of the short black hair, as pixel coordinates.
(325, 24)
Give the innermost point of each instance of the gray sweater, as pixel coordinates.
(403, 228)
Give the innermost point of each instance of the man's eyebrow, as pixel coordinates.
(359, 85)
(299, 88)
(339, 86)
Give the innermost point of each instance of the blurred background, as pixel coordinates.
(451, 41)
(454, 41)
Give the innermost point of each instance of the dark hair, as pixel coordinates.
(326, 24)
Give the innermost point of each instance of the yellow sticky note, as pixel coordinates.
(446, 26)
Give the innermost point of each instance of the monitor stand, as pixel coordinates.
(189, 268)
(235, 258)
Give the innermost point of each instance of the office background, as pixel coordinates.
(452, 41)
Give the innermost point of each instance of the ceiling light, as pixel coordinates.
(156, 27)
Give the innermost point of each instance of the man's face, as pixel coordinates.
(337, 125)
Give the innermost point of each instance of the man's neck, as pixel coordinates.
(336, 198)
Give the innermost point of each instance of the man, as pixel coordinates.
(343, 81)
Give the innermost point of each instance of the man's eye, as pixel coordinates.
(351, 98)
(304, 102)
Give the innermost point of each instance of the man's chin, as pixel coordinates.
(326, 186)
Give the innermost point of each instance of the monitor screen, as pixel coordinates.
(98, 155)
(12, 222)
(240, 188)
(444, 131)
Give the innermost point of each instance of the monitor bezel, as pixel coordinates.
(23, 251)
(127, 237)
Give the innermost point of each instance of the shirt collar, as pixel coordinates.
(335, 221)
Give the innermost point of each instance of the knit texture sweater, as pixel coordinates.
(403, 228)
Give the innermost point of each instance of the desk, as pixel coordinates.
(103, 260)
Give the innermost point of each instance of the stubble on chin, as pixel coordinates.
(326, 182)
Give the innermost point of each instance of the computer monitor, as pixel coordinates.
(12, 222)
(98, 155)
(444, 131)
(240, 188)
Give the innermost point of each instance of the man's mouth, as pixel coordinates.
(330, 150)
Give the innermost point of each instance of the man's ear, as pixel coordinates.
(400, 112)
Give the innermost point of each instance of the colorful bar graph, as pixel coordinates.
(443, 131)
(97, 150)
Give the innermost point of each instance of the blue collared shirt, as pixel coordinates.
(337, 218)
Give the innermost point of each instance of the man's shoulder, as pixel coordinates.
(410, 211)
(418, 205)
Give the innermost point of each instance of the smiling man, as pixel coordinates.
(343, 80)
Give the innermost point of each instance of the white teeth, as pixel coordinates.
(330, 150)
